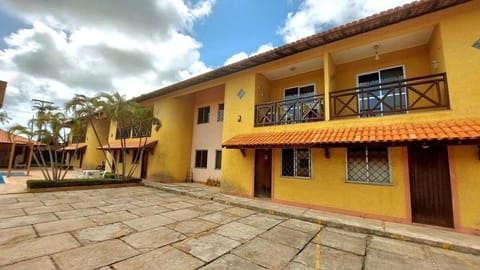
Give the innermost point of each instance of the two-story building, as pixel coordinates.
(376, 118)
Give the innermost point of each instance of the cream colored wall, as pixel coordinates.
(207, 136)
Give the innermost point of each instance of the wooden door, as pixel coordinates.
(263, 173)
(430, 191)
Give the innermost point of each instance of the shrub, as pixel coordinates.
(78, 182)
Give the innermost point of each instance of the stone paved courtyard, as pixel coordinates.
(144, 228)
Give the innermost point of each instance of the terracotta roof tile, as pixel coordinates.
(130, 144)
(5, 139)
(433, 131)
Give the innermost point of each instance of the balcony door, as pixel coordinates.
(379, 92)
(292, 107)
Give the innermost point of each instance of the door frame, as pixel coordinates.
(452, 183)
(254, 194)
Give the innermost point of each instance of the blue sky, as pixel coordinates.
(51, 50)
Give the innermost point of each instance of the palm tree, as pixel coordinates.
(4, 119)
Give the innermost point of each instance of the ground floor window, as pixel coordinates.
(368, 165)
(296, 162)
(201, 157)
(218, 159)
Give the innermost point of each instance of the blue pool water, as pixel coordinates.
(12, 174)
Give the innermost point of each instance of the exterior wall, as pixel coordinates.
(327, 188)
(464, 172)
(207, 136)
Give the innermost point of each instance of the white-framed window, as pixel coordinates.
(296, 162)
(201, 158)
(299, 91)
(368, 165)
(375, 100)
(220, 112)
(203, 115)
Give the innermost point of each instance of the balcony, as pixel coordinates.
(394, 97)
(301, 110)
(78, 138)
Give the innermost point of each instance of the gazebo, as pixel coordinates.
(15, 152)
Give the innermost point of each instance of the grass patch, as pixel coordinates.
(32, 184)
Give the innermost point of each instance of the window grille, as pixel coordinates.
(296, 162)
(218, 159)
(368, 165)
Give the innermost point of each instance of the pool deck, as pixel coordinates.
(16, 184)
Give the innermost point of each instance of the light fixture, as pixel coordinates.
(435, 64)
(377, 57)
(239, 118)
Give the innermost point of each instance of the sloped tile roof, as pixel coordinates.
(130, 144)
(376, 21)
(413, 132)
(18, 139)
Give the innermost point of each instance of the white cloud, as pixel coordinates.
(314, 16)
(91, 46)
(243, 55)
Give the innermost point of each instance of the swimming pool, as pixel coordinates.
(12, 174)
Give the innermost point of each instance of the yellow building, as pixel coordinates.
(377, 118)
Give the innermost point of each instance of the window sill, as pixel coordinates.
(369, 183)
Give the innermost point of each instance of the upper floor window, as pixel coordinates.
(79, 138)
(296, 162)
(220, 113)
(368, 165)
(203, 115)
(299, 92)
(374, 99)
(123, 133)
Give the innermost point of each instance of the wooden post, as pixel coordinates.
(10, 160)
(30, 155)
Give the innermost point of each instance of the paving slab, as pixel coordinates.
(16, 234)
(266, 253)
(89, 204)
(219, 217)
(37, 247)
(192, 226)
(64, 225)
(318, 257)
(149, 222)
(5, 213)
(151, 239)
(182, 214)
(22, 205)
(288, 237)
(238, 231)
(212, 206)
(300, 225)
(102, 233)
(47, 209)
(8, 200)
(26, 220)
(149, 210)
(337, 239)
(85, 212)
(113, 217)
(94, 256)
(401, 248)
(241, 212)
(207, 247)
(42, 263)
(166, 258)
(177, 205)
(231, 262)
(260, 220)
(117, 207)
(450, 260)
(383, 260)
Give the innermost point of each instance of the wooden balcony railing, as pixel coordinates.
(78, 138)
(306, 109)
(420, 93)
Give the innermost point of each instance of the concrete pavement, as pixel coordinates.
(145, 228)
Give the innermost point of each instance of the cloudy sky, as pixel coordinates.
(52, 49)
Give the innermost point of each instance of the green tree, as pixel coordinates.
(4, 118)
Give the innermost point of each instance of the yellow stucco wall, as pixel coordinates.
(312, 77)
(93, 157)
(327, 186)
(465, 174)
